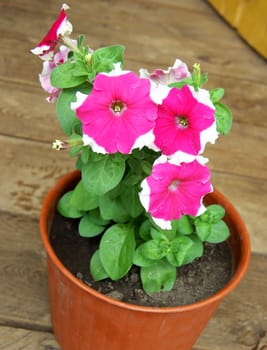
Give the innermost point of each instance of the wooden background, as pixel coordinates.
(155, 33)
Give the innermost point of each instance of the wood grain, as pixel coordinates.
(23, 339)
(154, 32)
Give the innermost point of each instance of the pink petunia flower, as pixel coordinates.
(181, 120)
(173, 74)
(59, 58)
(175, 189)
(119, 114)
(61, 27)
(160, 79)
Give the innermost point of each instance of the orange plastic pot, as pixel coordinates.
(84, 319)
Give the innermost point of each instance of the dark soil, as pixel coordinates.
(195, 281)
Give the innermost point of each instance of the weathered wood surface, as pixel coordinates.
(155, 33)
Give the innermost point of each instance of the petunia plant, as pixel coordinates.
(139, 141)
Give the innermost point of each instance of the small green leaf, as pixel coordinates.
(65, 208)
(103, 59)
(158, 277)
(80, 41)
(157, 234)
(85, 154)
(130, 200)
(89, 229)
(113, 209)
(66, 116)
(63, 76)
(139, 258)
(216, 212)
(154, 249)
(97, 219)
(144, 230)
(195, 251)
(178, 85)
(219, 232)
(83, 200)
(117, 248)
(223, 118)
(216, 95)
(178, 250)
(96, 267)
(101, 176)
(203, 229)
(184, 225)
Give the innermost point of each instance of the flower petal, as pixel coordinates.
(45, 48)
(173, 190)
(118, 112)
(171, 135)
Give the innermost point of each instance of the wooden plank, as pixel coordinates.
(179, 35)
(28, 170)
(240, 323)
(241, 317)
(23, 339)
(23, 279)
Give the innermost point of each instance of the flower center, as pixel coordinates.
(181, 122)
(117, 108)
(174, 185)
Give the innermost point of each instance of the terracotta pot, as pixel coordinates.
(84, 319)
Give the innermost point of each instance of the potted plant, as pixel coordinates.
(141, 192)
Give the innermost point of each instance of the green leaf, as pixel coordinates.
(178, 250)
(85, 155)
(130, 200)
(184, 225)
(96, 267)
(63, 76)
(178, 85)
(154, 249)
(80, 41)
(65, 114)
(81, 69)
(144, 230)
(103, 59)
(139, 258)
(101, 176)
(117, 248)
(65, 208)
(203, 229)
(83, 200)
(195, 251)
(87, 228)
(97, 219)
(216, 212)
(158, 234)
(158, 277)
(219, 232)
(216, 95)
(203, 79)
(223, 118)
(113, 209)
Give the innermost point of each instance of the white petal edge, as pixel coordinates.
(80, 98)
(89, 141)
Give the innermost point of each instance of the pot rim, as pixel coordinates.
(57, 190)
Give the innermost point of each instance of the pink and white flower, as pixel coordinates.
(175, 189)
(182, 118)
(119, 114)
(60, 28)
(59, 58)
(160, 79)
